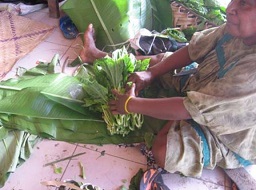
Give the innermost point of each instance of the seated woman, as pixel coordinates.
(215, 123)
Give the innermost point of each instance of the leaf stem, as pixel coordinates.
(60, 160)
(102, 23)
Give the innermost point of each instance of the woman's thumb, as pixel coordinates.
(132, 90)
(115, 92)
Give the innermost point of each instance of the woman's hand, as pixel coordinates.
(117, 106)
(141, 79)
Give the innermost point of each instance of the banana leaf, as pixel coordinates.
(53, 116)
(116, 21)
(16, 146)
(50, 106)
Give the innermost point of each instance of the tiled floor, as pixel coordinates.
(110, 167)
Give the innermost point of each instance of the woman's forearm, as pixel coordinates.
(178, 59)
(161, 108)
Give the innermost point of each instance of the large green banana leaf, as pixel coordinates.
(54, 116)
(50, 106)
(42, 95)
(116, 21)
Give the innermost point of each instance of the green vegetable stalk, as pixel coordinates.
(104, 75)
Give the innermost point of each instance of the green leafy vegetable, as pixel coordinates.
(209, 10)
(57, 170)
(104, 75)
(179, 36)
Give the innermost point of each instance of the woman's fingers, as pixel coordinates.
(117, 105)
(115, 92)
(139, 86)
(141, 79)
(132, 90)
(112, 106)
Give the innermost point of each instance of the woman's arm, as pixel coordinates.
(161, 108)
(178, 59)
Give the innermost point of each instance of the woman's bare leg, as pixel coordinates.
(159, 145)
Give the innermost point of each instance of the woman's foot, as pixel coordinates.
(90, 52)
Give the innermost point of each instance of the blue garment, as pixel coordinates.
(206, 149)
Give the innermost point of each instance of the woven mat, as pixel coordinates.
(18, 36)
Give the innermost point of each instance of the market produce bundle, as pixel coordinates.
(105, 75)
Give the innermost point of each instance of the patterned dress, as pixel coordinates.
(221, 98)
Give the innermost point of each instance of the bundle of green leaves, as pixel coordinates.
(104, 75)
(209, 10)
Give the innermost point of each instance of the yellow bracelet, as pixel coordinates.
(126, 103)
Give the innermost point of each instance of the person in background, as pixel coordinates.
(214, 124)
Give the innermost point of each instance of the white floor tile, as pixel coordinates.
(30, 175)
(58, 38)
(102, 169)
(132, 154)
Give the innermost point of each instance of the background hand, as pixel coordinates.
(141, 79)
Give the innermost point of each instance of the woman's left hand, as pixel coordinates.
(117, 105)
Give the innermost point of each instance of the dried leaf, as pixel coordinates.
(82, 172)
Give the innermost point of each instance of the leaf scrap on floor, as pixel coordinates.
(82, 172)
(57, 170)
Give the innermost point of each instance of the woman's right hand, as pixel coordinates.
(141, 79)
